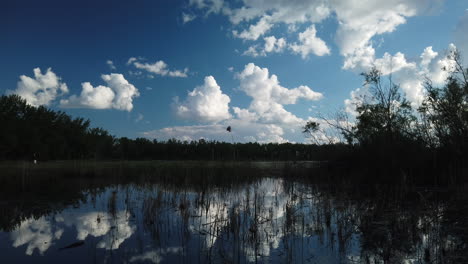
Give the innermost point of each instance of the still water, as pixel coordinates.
(248, 214)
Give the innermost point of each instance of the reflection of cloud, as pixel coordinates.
(155, 256)
(36, 234)
(214, 219)
(119, 232)
(100, 224)
(42, 232)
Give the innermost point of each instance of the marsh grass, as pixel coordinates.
(228, 213)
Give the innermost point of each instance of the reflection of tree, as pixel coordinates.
(397, 225)
(220, 215)
(33, 191)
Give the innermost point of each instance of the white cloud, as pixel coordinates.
(40, 90)
(389, 64)
(188, 17)
(439, 67)
(206, 103)
(118, 94)
(268, 96)
(357, 98)
(111, 64)
(361, 58)
(310, 43)
(410, 75)
(100, 97)
(264, 121)
(358, 22)
(255, 31)
(427, 56)
(281, 11)
(159, 68)
(245, 114)
(272, 45)
(242, 131)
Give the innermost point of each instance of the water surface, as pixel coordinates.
(222, 214)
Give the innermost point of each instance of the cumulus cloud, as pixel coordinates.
(99, 97)
(206, 103)
(118, 94)
(427, 56)
(265, 120)
(358, 23)
(357, 98)
(40, 90)
(268, 96)
(310, 43)
(159, 68)
(410, 75)
(255, 31)
(434, 66)
(272, 45)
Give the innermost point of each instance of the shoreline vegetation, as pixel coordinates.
(388, 138)
(391, 222)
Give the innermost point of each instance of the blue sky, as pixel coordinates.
(187, 69)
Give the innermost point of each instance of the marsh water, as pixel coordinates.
(222, 213)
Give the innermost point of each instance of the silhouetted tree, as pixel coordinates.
(445, 112)
(387, 118)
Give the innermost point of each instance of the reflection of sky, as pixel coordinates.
(112, 230)
(118, 221)
(263, 202)
(156, 256)
(41, 234)
(36, 234)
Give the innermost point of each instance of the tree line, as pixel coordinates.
(40, 133)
